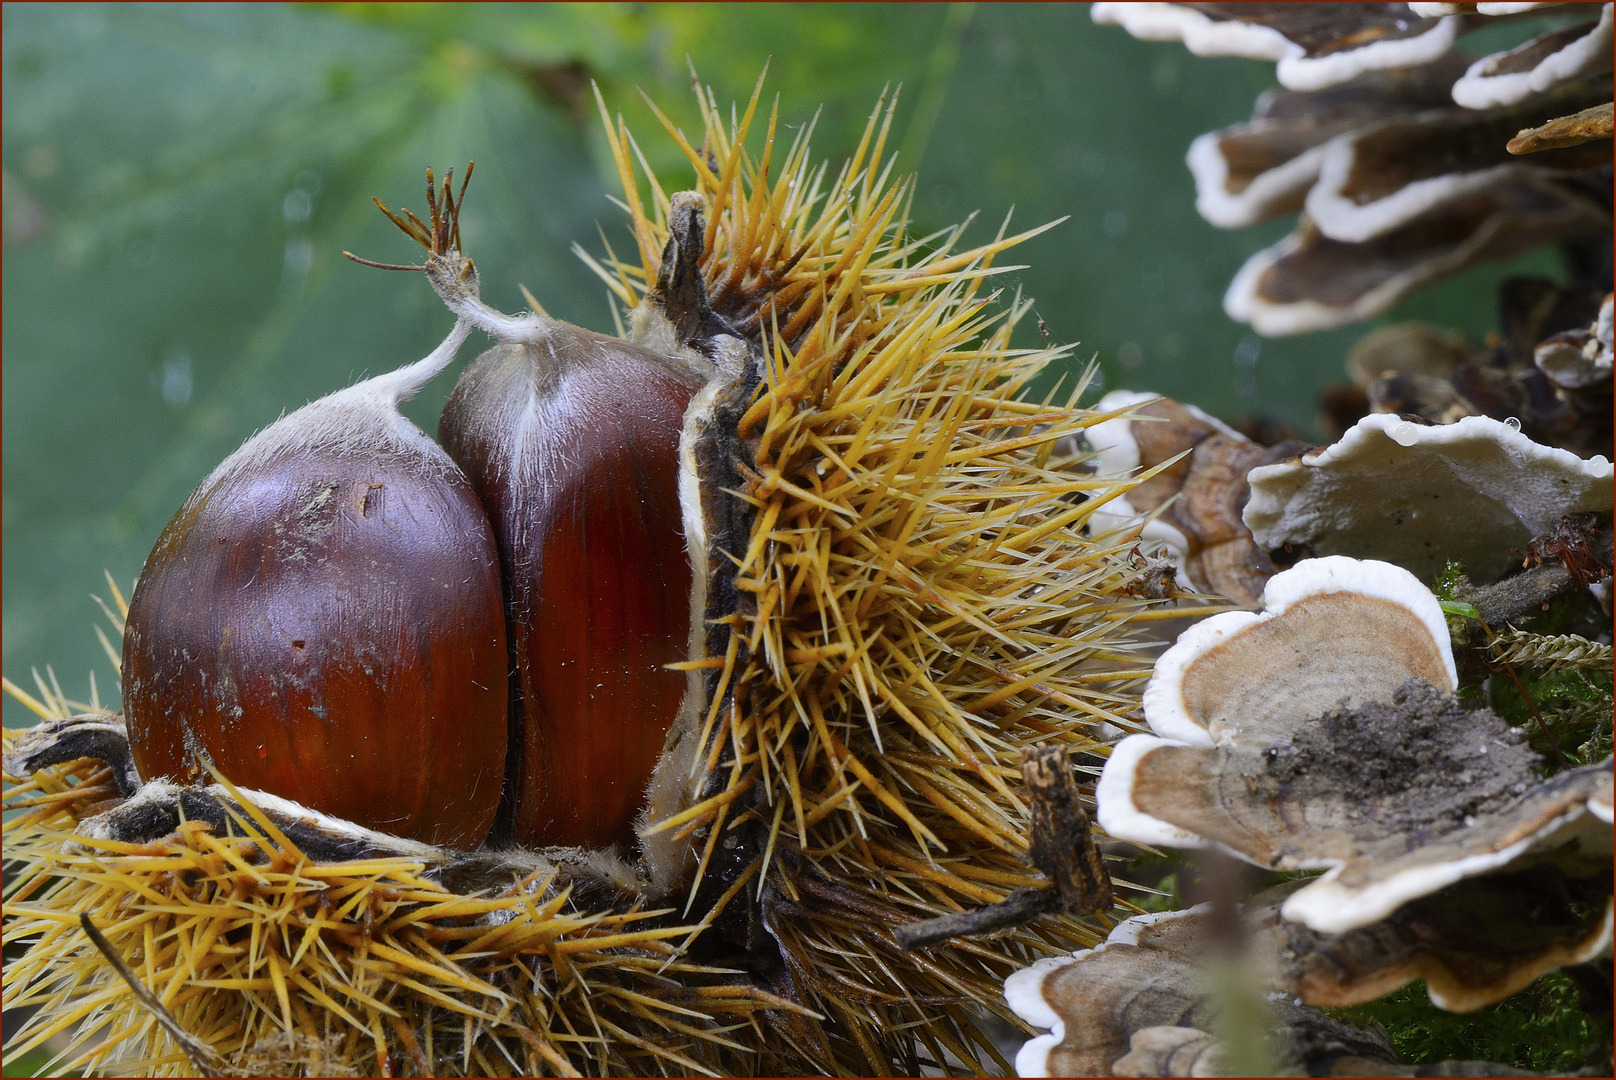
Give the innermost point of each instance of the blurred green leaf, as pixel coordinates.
(180, 182)
(200, 170)
(33, 1063)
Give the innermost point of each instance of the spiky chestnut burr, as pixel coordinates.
(322, 620)
(894, 595)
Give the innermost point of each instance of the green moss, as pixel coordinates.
(1542, 1028)
(1575, 707)
(1447, 579)
(1166, 899)
(1457, 612)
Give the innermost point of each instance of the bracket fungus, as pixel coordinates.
(1262, 169)
(1506, 381)
(1323, 734)
(1432, 10)
(1332, 631)
(1405, 158)
(1469, 941)
(1555, 821)
(1541, 64)
(1408, 368)
(1383, 176)
(1308, 281)
(1474, 943)
(1145, 1002)
(1543, 370)
(1580, 358)
(1419, 495)
(1145, 991)
(1192, 504)
(1316, 45)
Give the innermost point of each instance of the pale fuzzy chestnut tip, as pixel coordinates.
(362, 418)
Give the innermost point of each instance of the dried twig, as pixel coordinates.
(1062, 846)
(1504, 601)
(1021, 906)
(203, 1057)
(1514, 596)
(440, 233)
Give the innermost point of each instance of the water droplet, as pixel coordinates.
(176, 380)
(1512, 423)
(298, 257)
(1247, 352)
(297, 206)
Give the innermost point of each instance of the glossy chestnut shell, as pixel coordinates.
(326, 625)
(572, 443)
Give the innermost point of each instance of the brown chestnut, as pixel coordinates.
(571, 439)
(323, 619)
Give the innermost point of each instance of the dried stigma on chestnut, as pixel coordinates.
(322, 619)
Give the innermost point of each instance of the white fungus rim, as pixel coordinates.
(1301, 73)
(1296, 71)
(1478, 90)
(1117, 454)
(1164, 706)
(1271, 492)
(1330, 907)
(1342, 218)
(1114, 807)
(1229, 210)
(1241, 302)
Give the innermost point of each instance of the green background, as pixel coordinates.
(180, 183)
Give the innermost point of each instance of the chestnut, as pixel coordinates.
(323, 619)
(571, 440)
